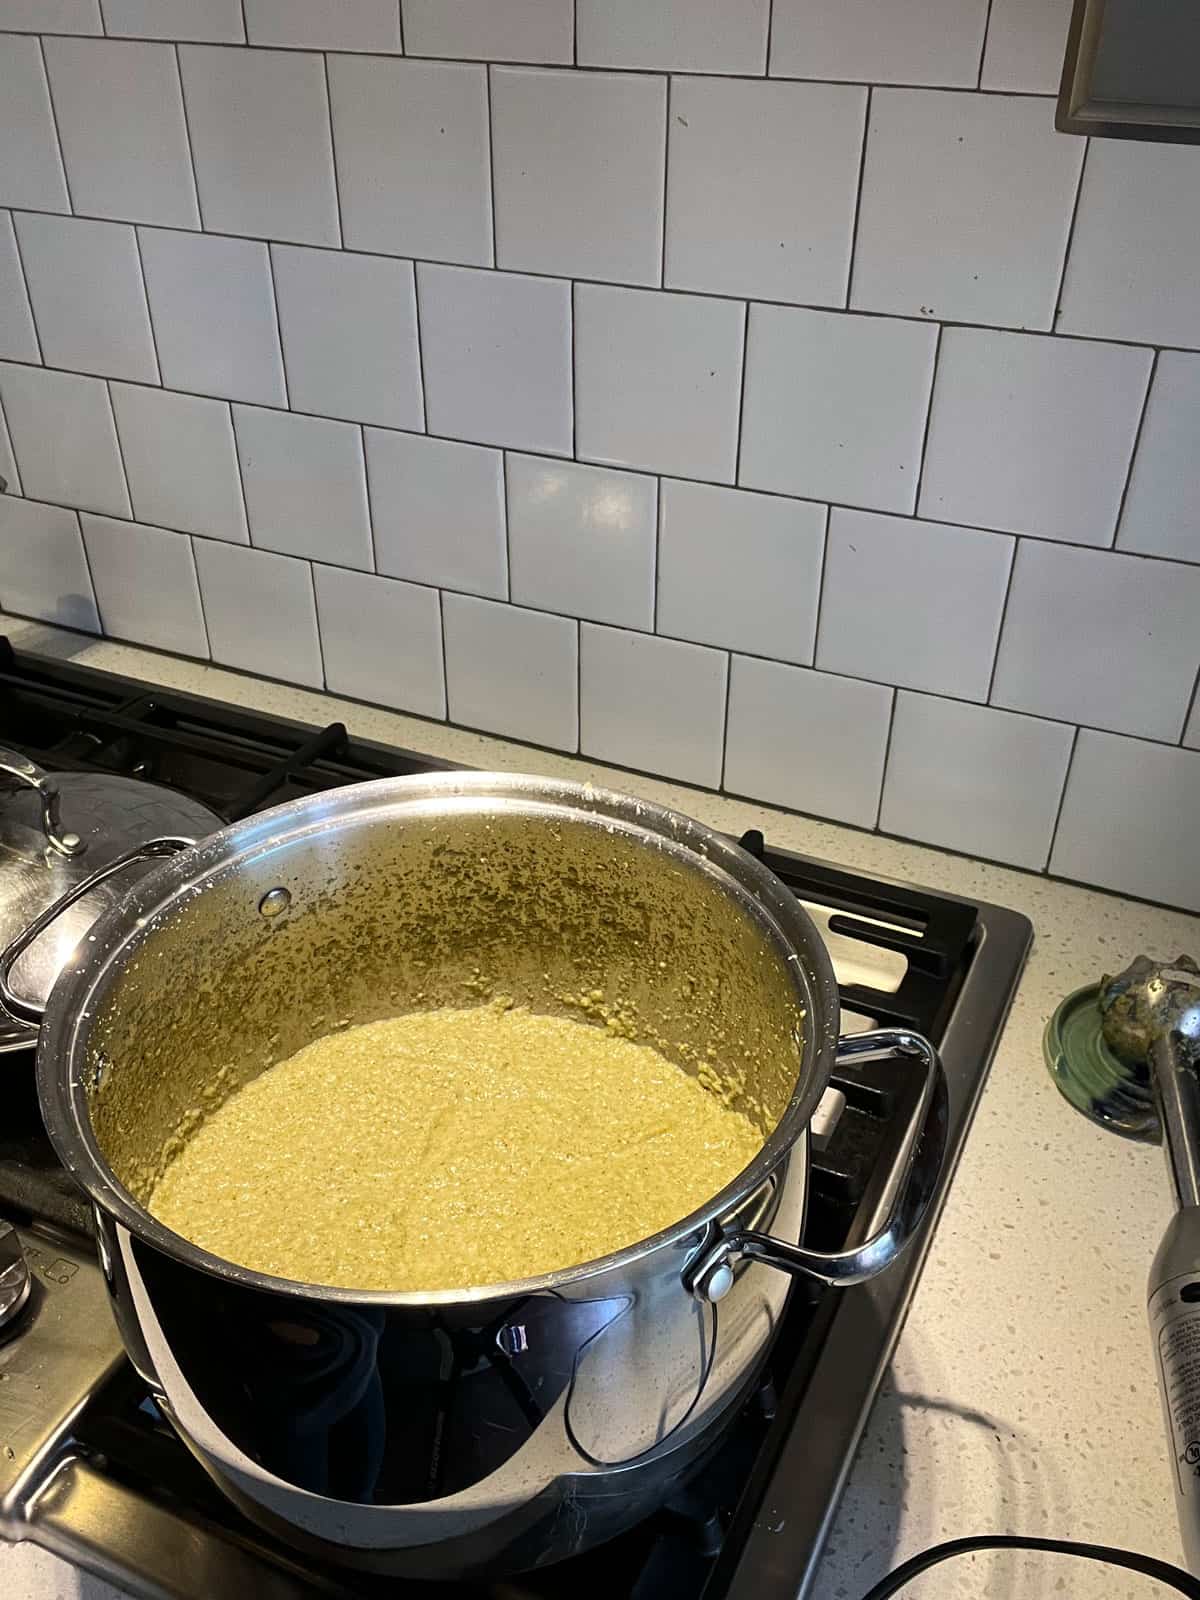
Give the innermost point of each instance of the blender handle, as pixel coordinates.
(26, 1010)
(710, 1275)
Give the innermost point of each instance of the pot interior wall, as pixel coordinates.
(417, 907)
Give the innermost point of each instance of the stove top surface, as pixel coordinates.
(90, 1468)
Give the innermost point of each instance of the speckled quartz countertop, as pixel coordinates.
(1022, 1394)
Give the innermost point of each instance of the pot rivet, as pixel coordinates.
(274, 901)
(716, 1283)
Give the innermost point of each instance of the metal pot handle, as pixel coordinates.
(710, 1274)
(17, 771)
(26, 1010)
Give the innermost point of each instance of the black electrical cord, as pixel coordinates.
(1174, 1577)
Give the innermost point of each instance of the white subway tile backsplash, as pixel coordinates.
(213, 311)
(120, 119)
(762, 184)
(209, 21)
(412, 157)
(974, 779)
(511, 671)
(490, 30)
(85, 282)
(306, 487)
(145, 583)
(62, 433)
(1129, 819)
(966, 206)
(51, 16)
(31, 171)
(260, 611)
(381, 640)
(912, 603)
(679, 35)
(1032, 434)
(181, 461)
(654, 704)
(806, 740)
(18, 341)
(349, 328)
(324, 24)
(438, 511)
(578, 166)
(43, 571)
(1132, 272)
(1161, 515)
(581, 540)
(496, 349)
(879, 41)
(657, 380)
(1103, 639)
(259, 121)
(835, 406)
(740, 571)
(1025, 45)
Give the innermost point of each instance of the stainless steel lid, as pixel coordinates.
(56, 829)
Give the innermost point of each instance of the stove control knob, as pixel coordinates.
(14, 1279)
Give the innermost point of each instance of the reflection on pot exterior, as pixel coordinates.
(444, 1441)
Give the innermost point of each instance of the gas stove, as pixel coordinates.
(89, 1468)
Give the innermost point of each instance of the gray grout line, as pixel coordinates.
(666, 178)
(420, 347)
(1066, 260)
(1062, 799)
(312, 585)
(112, 417)
(658, 502)
(87, 562)
(442, 634)
(362, 446)
(644, 288)
(983, 44)
(574, 33)
(574, 381)
(887, 756)
(245, 29)
(742, 379)
(187, 135)
(287, 390)
(16, 485)
(137, 245)
(770, 36)
(58, 144)
(858, 189)
(333, 160)
(725, 720)
(487, 84)
(578, 686)
(504, 500)
(821, 571)
(1133, 454)
(37, 336)
(937, 353)
(199, 594)
(1187, 716)
(1012, 568)
(237, 461)
(400, 20)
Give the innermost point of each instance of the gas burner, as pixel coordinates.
(89, 1467)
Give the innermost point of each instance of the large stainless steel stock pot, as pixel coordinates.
(513, 1423)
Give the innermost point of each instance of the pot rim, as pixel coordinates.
(117, 934)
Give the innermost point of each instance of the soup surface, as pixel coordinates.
(445, 1149)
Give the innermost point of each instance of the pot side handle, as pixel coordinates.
(710, 1274)
(26, 1010)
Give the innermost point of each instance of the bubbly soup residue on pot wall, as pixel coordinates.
(450, 1148)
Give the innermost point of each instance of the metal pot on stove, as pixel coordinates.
(510, 1424)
